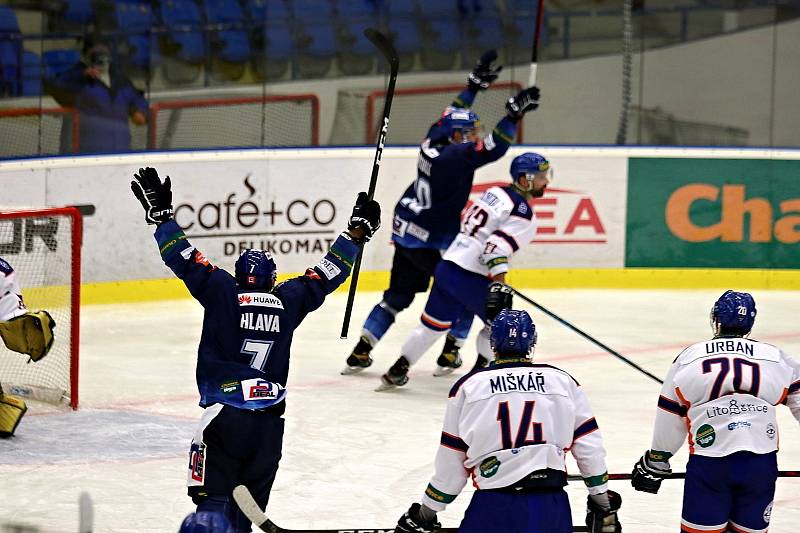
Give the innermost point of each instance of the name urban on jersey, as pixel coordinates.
(729, 345)
(260, 322)
(530, 382)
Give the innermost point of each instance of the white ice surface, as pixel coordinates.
(352, 457)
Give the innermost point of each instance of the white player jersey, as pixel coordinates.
(11, 304)
(492, 229)
(722, 394)
(509, 420)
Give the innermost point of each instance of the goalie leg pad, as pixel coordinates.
(31, 333)
(12, 409)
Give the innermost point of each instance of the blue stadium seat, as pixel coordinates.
(354, 17)
(267, 10)
(315, 36)
(31, 74)
(403, 29)
(183, 23)
(78, 11)
(57, 61)
(485, 26)
(136, 21)
(441, 34)
(10, 51)
(235, 47)
(271, 37)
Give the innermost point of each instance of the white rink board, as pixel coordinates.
(352, 457)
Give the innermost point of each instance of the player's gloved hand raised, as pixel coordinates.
(649, 471)
(365, 219)
(525, 100)
(500, 297)
(483, 75)
(413, 522)
(155, 197)
(601, 513)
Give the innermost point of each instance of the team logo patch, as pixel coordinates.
(771, 433)
(197, 461)
(186, 253)
(228, 388)
(489, 466)
(200, 258)
(767, 513)
(737, 425)
(705, 436)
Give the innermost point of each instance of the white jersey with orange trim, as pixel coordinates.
(11, 303)
(721, 395)
(509, 420)
(492, 229)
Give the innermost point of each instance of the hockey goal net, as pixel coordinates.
(38, 131)
(272, 120)
(43, 248)
(359, 112)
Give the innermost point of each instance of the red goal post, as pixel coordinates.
(418, 106)
(43, 246)
(271, 120)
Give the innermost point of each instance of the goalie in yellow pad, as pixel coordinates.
(23, 331)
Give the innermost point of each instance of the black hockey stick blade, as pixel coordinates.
(587, 336)
(677, 475)
(86, 210)
(387, 49)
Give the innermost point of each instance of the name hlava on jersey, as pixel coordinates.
(260, 321)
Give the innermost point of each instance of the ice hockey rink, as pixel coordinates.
(353, 458)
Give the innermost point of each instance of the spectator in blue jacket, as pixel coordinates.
(104, 97)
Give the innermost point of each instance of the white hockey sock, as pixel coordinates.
(482, 344)
(418, 342)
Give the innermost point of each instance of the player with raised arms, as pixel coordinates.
(243, 356)
(426, 217)
(471, 276)
(721, 395)
(23, 331)
(508, 426)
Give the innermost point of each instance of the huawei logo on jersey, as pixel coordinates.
(244, 299)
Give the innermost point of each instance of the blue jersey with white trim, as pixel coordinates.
(427, 215)
(244, 350)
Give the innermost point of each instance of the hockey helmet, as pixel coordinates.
(529, 163)
(513, 333)
(206, 522)
(455, 119)
(255, 269)
(733, 314)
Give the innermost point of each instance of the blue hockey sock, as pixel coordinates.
(378, 322)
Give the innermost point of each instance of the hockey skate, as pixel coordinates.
(449, 359)
(480, 362)
(359, 359)
(396, 376)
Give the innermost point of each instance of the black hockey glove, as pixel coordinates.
(366, 217)
(483, 75)
(601, 517)
(413, 522)
(500, 297)
(525, 100)
(649, 471)
(155, 197)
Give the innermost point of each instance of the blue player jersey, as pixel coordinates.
(428, 214)
(243, 356)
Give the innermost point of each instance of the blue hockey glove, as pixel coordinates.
(155, 197)
(413, 522)
(483, 75)
(601, 513)
(500, 297)
(365, 219)
(525, 100)
(649, 471)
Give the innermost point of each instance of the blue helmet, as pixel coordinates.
(454, 119)
(513, 333)
(733, 314)
(528, 163)
(206, 522)
(255, 269)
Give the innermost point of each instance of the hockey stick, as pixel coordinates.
(253, 513)
(678, 475)
(587, 336)
(85, 513)
(535, 48)
(387, 49)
